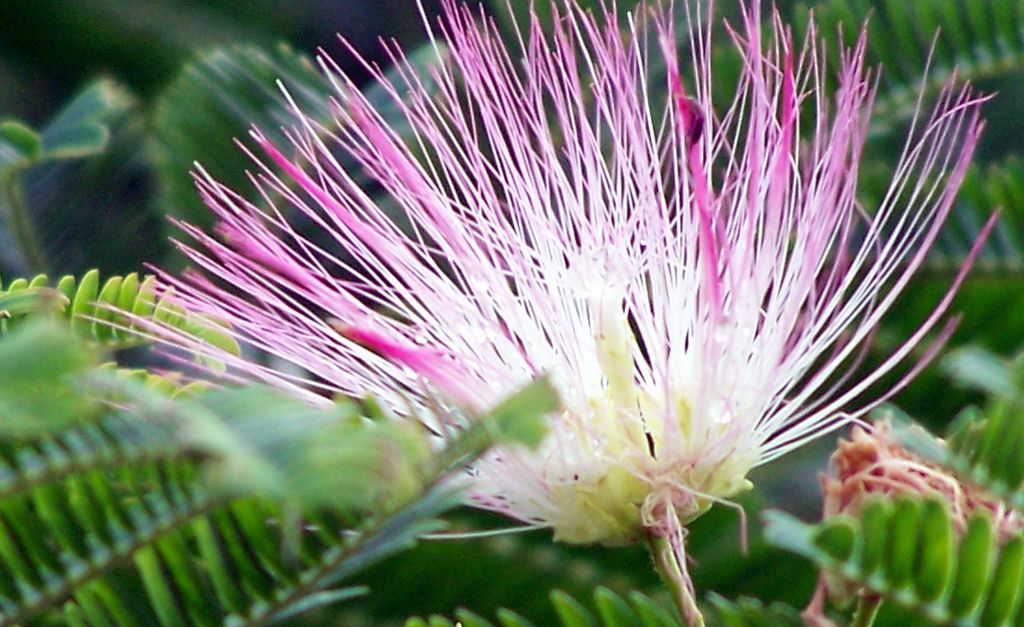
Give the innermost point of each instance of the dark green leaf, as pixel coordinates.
(936, 547)
(87, 196)
(973, 568)
(469, 619)
(651, 614)
(838, 538)
(217, 98)
(80, 141)
(570, 611)
(508, 618)
(613, 611)
(516, 14)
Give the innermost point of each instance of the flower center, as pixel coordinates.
(635, 450)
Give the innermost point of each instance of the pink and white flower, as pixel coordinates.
(698, 281)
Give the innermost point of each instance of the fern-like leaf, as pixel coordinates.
(92, 306)
(636, 610)
(985, 189)
(747, 612)
(610, 610)
(994, 187)
(918, 560)
(81, 504)
(140, 513)
(205, 509)
(978, 39)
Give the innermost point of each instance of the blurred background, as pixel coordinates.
(53, 48)
(124, 95)
(152, 61)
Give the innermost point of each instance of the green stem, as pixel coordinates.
(673, 574)
(20, 220)
(867, 611)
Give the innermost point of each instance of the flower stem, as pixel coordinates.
(867, 611)
(673, 574)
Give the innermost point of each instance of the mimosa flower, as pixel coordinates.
(698, 281)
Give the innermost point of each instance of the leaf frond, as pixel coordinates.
(93, 307)
(977, 40)
(910, 552)
(608, 610)
(192, 509)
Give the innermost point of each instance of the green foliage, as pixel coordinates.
(485, 570)
(986, 189)
(610, 610)
(81, 129)
(987, 452)
(235, 506)
(23, 140)
(747, 612)
(520, 418)
(93, 307)
(919, 561)
(636, 610)
(949, 567)
(167, 490)
(974, 39)
(307, 456)
(984, 371)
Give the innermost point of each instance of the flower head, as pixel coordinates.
(873, 462)
(696, 278)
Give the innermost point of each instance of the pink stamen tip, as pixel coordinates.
(373, 341)
(693, 121)
(433, 364)
(690, 115)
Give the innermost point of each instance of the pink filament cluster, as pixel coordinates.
(534, 189)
